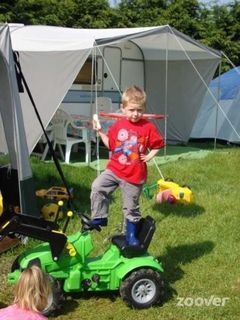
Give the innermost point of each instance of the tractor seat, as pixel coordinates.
(146, 229)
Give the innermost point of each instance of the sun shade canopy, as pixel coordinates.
(175, 68)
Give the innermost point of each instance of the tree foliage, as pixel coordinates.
(184, 15)
(141, 12)
(216, 25)
(220, 30)
(67, 13)
(92, 14)
(6, 12)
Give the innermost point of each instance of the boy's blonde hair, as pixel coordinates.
(32, 290)
(135, 95)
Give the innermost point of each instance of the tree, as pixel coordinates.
(184, 15)
(45, 12)
(92, 14)
(68, 13)
(220, 30)
(6, 12)
(181, 14)
(141, 12)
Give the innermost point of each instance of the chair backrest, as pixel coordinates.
(146, 229)
(103, 104)
(60, 122)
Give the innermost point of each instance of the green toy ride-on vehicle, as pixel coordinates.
(129, 269)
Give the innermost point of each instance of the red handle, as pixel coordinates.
(112, 115)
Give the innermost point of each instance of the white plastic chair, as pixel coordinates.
(103, 104)
(60, 123)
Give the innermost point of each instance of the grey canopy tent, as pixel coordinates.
(17, 177)
(177, 69)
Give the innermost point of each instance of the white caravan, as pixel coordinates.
(105, 74)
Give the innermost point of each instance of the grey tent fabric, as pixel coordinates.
(51, 57)
(13, 132)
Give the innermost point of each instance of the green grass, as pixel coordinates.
(198, 244)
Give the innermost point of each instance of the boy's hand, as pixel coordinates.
(149, 156)
(145, 157)
(96, 123)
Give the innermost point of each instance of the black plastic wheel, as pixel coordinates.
(15, 264)
(142, 289)
(55, 299)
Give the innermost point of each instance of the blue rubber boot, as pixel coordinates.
(100, 222)
(131, 234)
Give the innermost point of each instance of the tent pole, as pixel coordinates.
(95, 76)
(166, 97)
(92, 77)
(217, 104)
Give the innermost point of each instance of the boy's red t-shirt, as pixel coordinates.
(127, 140)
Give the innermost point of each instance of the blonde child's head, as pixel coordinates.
(32, 289)
(134, 95)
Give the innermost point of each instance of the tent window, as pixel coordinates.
(84, 75)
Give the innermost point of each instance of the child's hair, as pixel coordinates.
(32, 289)
(134, 94)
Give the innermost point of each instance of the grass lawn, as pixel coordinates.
(198, 244)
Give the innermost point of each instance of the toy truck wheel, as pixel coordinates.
(142, 289)
(55, 299)
(15, 264)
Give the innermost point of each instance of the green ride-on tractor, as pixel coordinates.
(129, 269)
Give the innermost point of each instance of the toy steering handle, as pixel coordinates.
(112, 115)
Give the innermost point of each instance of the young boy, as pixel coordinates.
(128, 140)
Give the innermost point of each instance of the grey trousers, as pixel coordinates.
(105, 184)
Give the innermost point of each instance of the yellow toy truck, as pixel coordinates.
(169, 191)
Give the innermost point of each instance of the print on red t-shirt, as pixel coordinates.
(127, 140)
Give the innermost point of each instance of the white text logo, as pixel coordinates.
(201, 302)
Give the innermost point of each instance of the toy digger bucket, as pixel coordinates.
(36, 228)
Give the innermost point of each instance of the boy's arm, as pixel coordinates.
(97, 126)
(104, 138)
(149, 156)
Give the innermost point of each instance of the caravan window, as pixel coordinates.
(84, 75)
